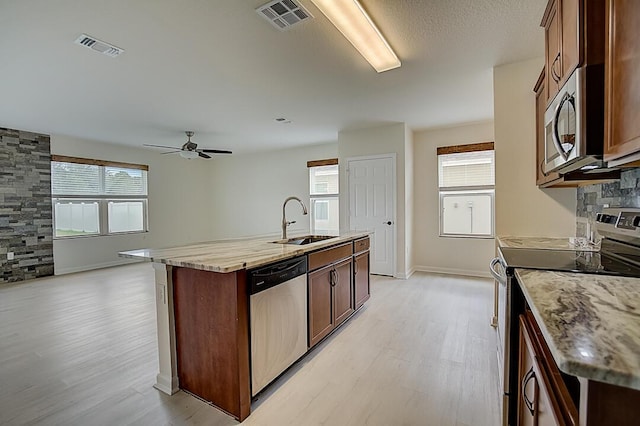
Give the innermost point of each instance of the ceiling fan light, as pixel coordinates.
(188, 154)
(354, 23)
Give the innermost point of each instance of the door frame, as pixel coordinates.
(394, 200)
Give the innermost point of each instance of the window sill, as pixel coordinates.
(473, 237)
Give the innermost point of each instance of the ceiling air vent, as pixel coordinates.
(283, 14)
(98, 45)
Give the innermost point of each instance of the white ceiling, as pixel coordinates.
(218, 68)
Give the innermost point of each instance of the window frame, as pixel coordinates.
(103, 199)
(443, 192)
(328, 197)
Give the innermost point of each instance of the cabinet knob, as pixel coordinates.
(387, 223)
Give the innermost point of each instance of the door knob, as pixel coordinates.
(387, 222)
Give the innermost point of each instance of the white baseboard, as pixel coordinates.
(71, 270)
(406, 276)
(166, 384)
(452, 271)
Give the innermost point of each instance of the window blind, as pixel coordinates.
(466, 169)
(74, 179)
(119, 181)
(93, 180)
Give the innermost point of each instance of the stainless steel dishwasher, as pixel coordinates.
(278, 311)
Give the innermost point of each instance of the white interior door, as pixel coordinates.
(371, 207)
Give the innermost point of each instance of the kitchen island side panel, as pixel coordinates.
(212, 337)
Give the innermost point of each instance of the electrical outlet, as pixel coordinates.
(10, 255)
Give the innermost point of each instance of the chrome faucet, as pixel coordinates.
(285, 223)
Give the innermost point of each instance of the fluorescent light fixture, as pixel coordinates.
(352, 21)
(188, 154)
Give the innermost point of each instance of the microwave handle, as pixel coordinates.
(556, 116)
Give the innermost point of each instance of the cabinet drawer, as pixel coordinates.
(325, 257)
(554, 404)
(361, 245)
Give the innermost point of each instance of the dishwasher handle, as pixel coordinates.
(499, 275)
(277, 270)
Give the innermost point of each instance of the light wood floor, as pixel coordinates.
(81, 350)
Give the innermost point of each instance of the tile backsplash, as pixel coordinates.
(593, 198)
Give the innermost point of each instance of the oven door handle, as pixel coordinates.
(500, 276)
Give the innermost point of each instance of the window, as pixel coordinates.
(466, 180)
(93, 197)
(323, 191)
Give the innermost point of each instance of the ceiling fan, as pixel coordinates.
(190, 149)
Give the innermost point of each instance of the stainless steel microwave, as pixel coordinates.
(574, 122)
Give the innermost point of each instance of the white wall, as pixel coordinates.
(466, 256)
(179, 205)
(391, 138)
(248, 190)
(521, 208)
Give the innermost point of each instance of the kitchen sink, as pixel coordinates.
(307, 239)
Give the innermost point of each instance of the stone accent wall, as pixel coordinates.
(26, 226)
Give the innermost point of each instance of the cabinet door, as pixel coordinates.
(570, 45)
(552, 50)
(622, 79)
(361, 278)
(528, 389)
(342, 291)
(320, 304)
(537, 404)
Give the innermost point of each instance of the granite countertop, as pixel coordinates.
(590, 322)
(549, 243)
(233, 255)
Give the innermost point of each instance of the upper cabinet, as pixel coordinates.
(622, 83)
(574, 36)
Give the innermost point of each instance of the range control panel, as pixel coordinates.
(620, 218)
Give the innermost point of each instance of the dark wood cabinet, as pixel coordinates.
(361, 278)
(330, 290)
(543, 396)
(361, 275)
(342, 291)
(535, 406)
(553, 55)
(320, 304)
(212, 337)
(570, 36)
(622, 83)
(574, 36)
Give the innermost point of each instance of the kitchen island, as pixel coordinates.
(202, 307)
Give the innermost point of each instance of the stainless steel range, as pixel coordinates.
(619, 255)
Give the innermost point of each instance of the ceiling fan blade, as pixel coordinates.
(170, 152)
(161, 146)
(215, 151)
(203, 155)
